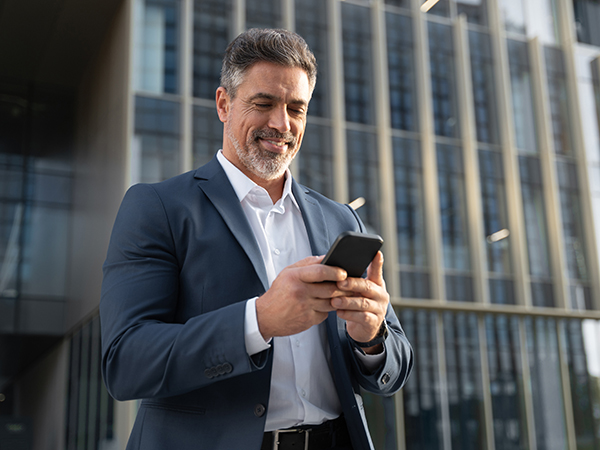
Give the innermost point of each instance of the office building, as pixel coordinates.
(470, 130)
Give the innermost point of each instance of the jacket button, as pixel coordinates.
(227, 368)
(210, 373)
(259, 410)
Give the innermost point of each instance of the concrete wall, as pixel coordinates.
(101, 151)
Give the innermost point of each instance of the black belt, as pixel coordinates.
(332, 433)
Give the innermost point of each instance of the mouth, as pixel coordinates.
(275, 145)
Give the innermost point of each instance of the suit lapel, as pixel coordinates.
(219, 191)
(314, 220)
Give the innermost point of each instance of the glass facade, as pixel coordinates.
(493, 245)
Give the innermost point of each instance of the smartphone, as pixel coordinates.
(353, 252)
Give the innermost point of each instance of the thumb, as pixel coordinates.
(375, 270)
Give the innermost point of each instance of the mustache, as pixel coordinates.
(269, 133)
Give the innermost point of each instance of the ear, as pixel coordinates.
(223, 102)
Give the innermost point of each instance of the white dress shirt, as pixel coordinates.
(302, 387)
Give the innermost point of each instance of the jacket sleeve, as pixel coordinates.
(147, 352)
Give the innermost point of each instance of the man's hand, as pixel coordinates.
(365, 308)
(299, 298)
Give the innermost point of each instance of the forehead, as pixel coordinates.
(277, 81)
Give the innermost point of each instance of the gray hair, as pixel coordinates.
(276, 46)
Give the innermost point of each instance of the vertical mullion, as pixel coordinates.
(469, 145)
(566, 385)
(384, 144)
(485, 380)
(427, 133)
(528, 394)
(548, 164)
(187, 55)
(443, 378)
(340, 163)
(568, 43)
(509, 157)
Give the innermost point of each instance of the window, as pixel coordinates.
(410, 218)
(546, 387)
(363, 175)
(443, 79)
(506, 382)
(157, 46)
(522, 97)
(453, 213)
(315, 159)
(208, 134)
(401, 65)
(156, 141)
(358, 79)
(484, 98)
(212, 31)
(312, 25)
(421, 395)
(90, 409)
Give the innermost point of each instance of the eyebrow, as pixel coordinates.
(265, 96)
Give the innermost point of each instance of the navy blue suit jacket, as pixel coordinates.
(182, 261)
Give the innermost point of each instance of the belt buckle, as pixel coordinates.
(276, 434)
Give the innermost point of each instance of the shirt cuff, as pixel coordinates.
(254, 340)
(370, 362)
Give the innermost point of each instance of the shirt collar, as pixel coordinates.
(242, 185)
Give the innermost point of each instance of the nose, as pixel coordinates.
(280, 120)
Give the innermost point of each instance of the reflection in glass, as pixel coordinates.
(495, 219)
(208, 134)
(506, 382)
(157, 46)
(155, 151)
(441, 8)
(534, 212)
(358, 79)
(557, 92)
(522, 97)
(400, 3)
(586, 19)
(453, 213)
(475, 10)
(363, 175)
(546, 386)
(312, 25)
(410, 218)
(263, 14)
(212, 29)
(443, 79)
(570, 205)
(513, 14)
(401, 72)
(582, 352)
(315, 159)
(421, 395)
(572, 221)
(484, 98)
(465, 390)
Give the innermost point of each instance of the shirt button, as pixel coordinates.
(276, 251)
(302, 393)
(297, 343)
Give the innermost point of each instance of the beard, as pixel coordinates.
(263, 163)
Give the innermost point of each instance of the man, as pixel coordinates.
(214, 309)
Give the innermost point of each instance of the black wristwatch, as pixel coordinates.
(380, 338)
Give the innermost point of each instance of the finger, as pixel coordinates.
(375, 269)
(309, 260)
(356, 304)
(317, 273)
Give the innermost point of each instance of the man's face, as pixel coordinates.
(264, 123)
